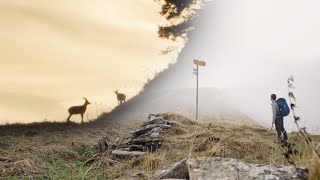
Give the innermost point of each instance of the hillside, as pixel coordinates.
(61, 151)
(180, 100)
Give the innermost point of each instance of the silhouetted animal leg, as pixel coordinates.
(68, 119)
(81, 118)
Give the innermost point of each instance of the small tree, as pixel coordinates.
(181, 15)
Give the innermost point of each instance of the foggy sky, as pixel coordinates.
(253, 46)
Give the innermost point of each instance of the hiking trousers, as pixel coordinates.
(282, 133)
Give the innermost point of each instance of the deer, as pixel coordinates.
(121, 97)
(78, 110)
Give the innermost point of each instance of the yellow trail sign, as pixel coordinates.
(199, 63)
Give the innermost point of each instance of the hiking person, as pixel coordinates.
(280, 109)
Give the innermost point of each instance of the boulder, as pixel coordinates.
(226, 168)
(178, 170)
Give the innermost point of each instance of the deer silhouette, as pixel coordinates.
(121, 97)
(78, 110)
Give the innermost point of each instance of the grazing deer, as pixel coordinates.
(121, 97)
(78, 110)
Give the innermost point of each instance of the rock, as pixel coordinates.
(178, 170)
(144, 141)
(140, 131)
(163, 126)
(156, 116)
(149, 144)
(155, 135)
(126, 141)
(147, 138)
(174, 123)
(117, 140)
(149, 129)
(157, 129)
(122, 143)
(122, 153)
(136, 148)
(226, 168)
(104, 144)
(155, 121)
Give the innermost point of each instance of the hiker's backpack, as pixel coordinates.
(284, 109)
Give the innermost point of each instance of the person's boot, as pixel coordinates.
(277, 142)
(285, 143)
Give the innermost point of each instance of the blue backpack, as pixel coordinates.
(284, 109)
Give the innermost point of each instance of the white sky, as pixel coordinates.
(253, 46)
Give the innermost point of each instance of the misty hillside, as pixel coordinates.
(173, 89)
(211, 104)
(239, 63)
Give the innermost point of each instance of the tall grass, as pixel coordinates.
(315, 161)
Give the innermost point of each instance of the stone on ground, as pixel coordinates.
(177, 171)
(226, 168)
(122, 153)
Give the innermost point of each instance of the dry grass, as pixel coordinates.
(60, 151)
(223, 139)
(315, 170)
(56, 150)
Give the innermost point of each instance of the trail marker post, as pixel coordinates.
(196, 72)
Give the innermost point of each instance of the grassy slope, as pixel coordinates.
(59, 151)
